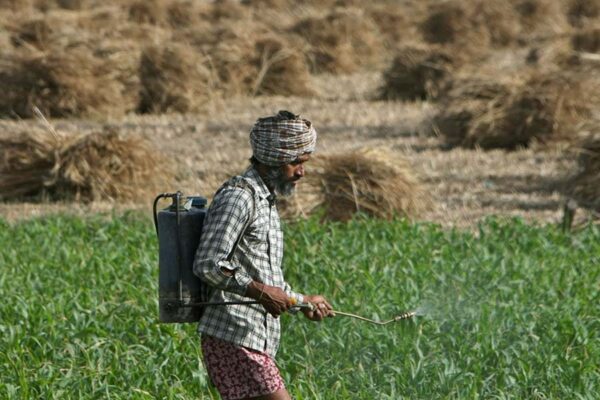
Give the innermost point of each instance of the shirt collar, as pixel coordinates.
(259, 185)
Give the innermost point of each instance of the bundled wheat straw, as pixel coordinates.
(581, 10)
(259, 63)
(416, 72)
(546, 108)
(466, 98)
(90, 167)
(585, 185)
(541, 18)
(372, 181)
(153, 12)
(174, 78)
(341, 42)
(452, 24)
(588, 40)
(62, 83)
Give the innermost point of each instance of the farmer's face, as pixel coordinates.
(293, 171)
(284, 179)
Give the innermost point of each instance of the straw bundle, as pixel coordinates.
(259, 63)
(581, 10)
(453, 24)
(394, 23)
(415, 73)
(585, 185)
(36, 32)
(466, 98)
(588, 40)
(545, 108)
(541, 17)
(15, 5)
(372, 181)
(341, 42)
(174, 78)
(281, 70)
(96, 166)
(153, 12)
(62, 83)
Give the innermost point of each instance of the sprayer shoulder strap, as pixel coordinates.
(243, 184)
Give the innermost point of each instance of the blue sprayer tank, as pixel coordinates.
(178, 228)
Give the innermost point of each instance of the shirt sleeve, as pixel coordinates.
(227, 217)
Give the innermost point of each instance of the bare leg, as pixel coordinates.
(281, 394)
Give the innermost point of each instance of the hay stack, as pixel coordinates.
(416, 73)
(281, 70)
(174, 78)
(372, 181)
(453, 25)
(259, 63)
(97, 166)
(588, 40)
(16, 5)
(394, 23)
(463, 100)
(580, 11)
(153, 12)
(36, 32)
(546, 108)
(541, 18)
(62, 83)
(341, 42)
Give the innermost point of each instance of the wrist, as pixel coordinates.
(255, 290)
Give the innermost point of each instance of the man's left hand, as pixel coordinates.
(322, 308)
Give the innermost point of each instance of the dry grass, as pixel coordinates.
(342, 41)
(452, 24)
(581, 11)
(372, 181)
(585, 185)
(464, 99)
(587, 40)
(98, 166)
(546, 108)
(63, 83)
(491, 113)
(260, 63)
(541, 18)
(174, 78)
(416, 72)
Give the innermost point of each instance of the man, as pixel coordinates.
(239, 258)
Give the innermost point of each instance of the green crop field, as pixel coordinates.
(510, 312)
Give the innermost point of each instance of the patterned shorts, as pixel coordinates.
(238, 372)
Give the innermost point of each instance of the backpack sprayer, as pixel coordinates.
(181, 293)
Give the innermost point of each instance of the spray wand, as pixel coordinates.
(403, 316)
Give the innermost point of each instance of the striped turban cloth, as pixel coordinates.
(282, 138)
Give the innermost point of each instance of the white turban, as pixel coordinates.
(282, 138)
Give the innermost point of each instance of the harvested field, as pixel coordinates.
(212, 68)
(464, 185)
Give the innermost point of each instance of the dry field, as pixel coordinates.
(465, 184)
(486, 102)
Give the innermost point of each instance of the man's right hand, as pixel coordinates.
(272, 298)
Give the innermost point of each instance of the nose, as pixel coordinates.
(299, 173)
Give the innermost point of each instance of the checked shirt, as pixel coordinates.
(243, 201)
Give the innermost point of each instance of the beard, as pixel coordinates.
(279, 183)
